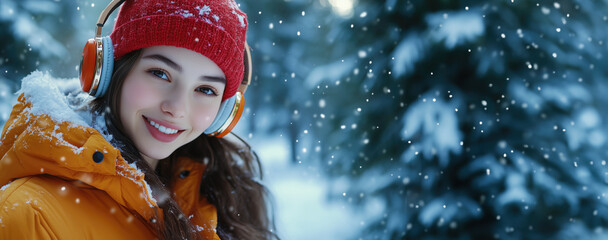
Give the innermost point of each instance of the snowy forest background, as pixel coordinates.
(400, 119)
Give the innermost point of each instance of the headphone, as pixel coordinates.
(98, 62)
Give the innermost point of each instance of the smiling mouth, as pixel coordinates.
(163, 129)
(161, 132)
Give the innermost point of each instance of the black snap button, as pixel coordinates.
(97, 157)
(184, 174)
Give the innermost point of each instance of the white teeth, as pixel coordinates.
(163, 129)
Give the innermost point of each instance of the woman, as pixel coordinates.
(143, 160)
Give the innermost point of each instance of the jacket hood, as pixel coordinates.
(50, 131)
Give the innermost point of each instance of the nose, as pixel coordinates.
(174, 104)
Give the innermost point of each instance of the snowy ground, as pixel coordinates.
(302, 208)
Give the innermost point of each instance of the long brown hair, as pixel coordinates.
(229, 178)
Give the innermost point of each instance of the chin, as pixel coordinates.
(157, 155)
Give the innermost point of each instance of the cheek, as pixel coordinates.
(204, 116)
(136, 94)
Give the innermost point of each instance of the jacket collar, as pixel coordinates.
(45, 135)
(36, 144)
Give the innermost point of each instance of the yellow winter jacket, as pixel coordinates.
(61, 180)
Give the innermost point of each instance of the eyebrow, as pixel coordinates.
(165, 60)
(214, 79)
(178, 68)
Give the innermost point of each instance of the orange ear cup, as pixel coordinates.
(87, 68)
(236, 118)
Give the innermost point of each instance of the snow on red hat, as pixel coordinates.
(214, 28)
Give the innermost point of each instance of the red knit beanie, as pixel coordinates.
(214, 28)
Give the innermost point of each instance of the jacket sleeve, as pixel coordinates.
(22, 217)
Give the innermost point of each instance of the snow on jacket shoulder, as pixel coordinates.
(62, 179)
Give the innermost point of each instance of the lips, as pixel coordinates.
(162, 131)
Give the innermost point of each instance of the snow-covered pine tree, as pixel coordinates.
(37, 35)
(468, 119)
(281, 34)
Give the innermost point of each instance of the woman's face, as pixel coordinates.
(170, 96)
